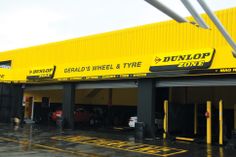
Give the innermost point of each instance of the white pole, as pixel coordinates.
(218, 24)
(166, 10)
(194, 13)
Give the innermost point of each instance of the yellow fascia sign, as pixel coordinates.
(133, 67)
(191, 62)
(184, 60)
(103, 69)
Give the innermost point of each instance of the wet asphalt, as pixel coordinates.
(50, 141)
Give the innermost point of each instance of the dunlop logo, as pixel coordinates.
(186, 57)
(183, 61)
(157, 60)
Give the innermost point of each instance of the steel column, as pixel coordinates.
(195, 118)
(68, 105)
(16, 101)
(146, 105)
(234, 116)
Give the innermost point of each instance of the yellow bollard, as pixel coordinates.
(195, 119)
(165, 123)
(221, 122)
(208, 116)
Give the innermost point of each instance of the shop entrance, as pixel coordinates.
(204, 114)
(188, 112)
(162, 94)
(110, 108)
(189, 122)
(40, 102)
(97, 104)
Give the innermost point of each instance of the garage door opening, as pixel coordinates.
(107, 107)
(162, 94)
(39, 104)
(96, 105)
(193, 111)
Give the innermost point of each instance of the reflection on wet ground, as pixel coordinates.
(48, 141)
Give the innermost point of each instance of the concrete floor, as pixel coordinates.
(48, 141)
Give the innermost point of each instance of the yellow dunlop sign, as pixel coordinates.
(41, 73)
(200, 59)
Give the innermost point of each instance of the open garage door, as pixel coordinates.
(40, 101)
(43, 87)
(196, 82)
(107, 84)
(87, 85)
(111, 99)
(111, 103)
(115, 100)
(188, 112)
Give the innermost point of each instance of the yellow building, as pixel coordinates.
(134, 52)
(163, 55)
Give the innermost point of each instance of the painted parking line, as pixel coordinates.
(55, 149)
(122, 145)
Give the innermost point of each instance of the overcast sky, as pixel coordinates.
(25, 23)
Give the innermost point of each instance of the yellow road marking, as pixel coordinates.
(123, 145)
(50, 147)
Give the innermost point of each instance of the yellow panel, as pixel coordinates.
(100, 98)
(55, 96)
(126, 97)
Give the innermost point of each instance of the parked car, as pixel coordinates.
(80, 116)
